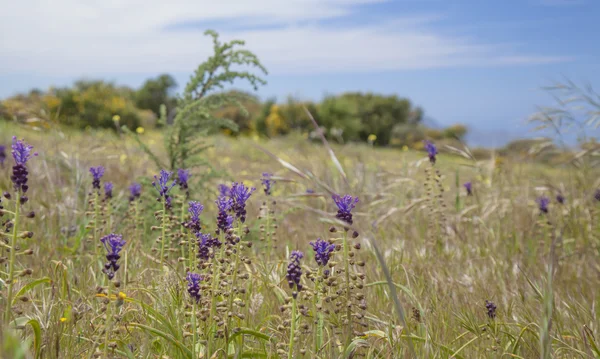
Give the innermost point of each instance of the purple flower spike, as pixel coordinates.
(240, 194)
(560, 198)
(267, 182)
(182, 178)
(345, 205)
(113, 243)
(2, 155)
(543, 203)
(469, 187)
(135, 191)
(97, 173)
(193, 286)
(224, 191)
(163, 187)
(195, 208)
(491, 309)
(323, 250)
(21, 153)
(294, 272)
(597, 195)
(431, 151)
(205, 243)
(224, 220)
(108, 187)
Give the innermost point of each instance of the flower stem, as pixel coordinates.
(318, 333)
(292, 329)
(213, 300)
(107, 324)
(11, 262)
(348, 326)
(96, 219)
(163, 237)
(194, 333)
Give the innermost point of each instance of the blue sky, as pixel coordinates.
(476, 62)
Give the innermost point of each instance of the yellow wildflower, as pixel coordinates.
(372, 137)
(140, 130)
(405, 148)
(63, 319)
(116, 118)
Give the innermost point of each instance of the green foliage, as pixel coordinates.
(198, 106)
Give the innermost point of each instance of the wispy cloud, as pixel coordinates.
(115, 36)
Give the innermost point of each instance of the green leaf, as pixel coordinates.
(167, 337)
(252, 333)
(37, 336)
(29, 286)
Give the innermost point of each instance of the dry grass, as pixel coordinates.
(446, 255)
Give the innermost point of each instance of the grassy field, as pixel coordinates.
(445, 254)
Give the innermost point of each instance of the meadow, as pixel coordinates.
(418, 267)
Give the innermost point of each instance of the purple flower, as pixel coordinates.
(491, 309)
(345, 205)
(108, 187)
(294, 272)
(195, 208)
(113, 243)
(205, 243)
(239, 195)
(163, 187)
(182, 178)
(431, 151)
(224, 191)
(597, 195)
(97, 173)
(267, 182)
(2, 155)
(323, 250)
(560, 198)
(224, 220)
(543, 203)
(135, 191)
(469, 187)
(21, 153)
(193, 286)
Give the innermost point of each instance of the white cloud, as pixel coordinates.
(87, 37)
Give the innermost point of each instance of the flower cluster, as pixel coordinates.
(97, 173)
(205, 243)
(345, 205)
(560, 198)
(195, 208)
(294, 272)
(135, 191)
(163, 187)
(224, 220)
(431, 151)
(193, 286)
(108, 187)
(113, 243)
(2, 155)
(239, 193)
(469, 187)
(21, 153)
(491, 309)
(543, 203)
(323, 250)
(267, 182)
(182, 178)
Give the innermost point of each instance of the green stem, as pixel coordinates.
(292, 329)
(213, 304)
(96, 219)
(11, 261)
(268, 234)
(108, 215)
(163, 237)
(318, 333)
(107, 325)
(194, 333)
(348, 326)
(181, 229)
